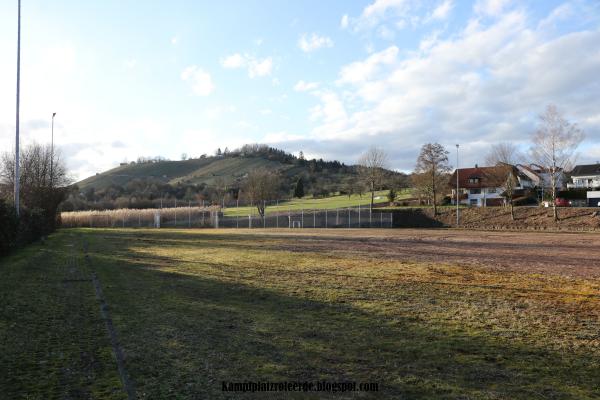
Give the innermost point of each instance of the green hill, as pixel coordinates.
(193, 171)
(148, 183)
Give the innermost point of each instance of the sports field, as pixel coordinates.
(422, 314)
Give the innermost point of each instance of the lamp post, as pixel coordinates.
(457, 194)
(52, 153)
(17, 119)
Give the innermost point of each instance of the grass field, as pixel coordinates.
(309, 203)
(427, 314)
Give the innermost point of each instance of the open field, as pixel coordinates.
(425, 313)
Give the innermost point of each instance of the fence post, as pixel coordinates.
(189, 214)
(314, 219)
(203, 215)
(381, 219)
(249, 221)
(370, 217)
(391, 220)
(325, 218)
(302, 214)
(237, 222)
(337, 217)
(277, 216)
(348, 217)
(359, 215)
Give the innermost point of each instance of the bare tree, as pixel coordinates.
(261, 185)
(504, 176)
(432, 166)
(372, 169)
(42, 187)
(221, 187)
(35, 170)
(503, 152)
(554, 146)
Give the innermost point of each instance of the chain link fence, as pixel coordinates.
(190, 217)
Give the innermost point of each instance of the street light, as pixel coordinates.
(52, 152)
(457, 195)
(17, 120)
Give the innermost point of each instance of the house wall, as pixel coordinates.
(589, 181)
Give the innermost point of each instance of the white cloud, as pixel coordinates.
(302, 86)
(380, 10)
(256, 67)
(344, 22)
(314, 42)
(174, 40)
(234, 61)
(200, 80)
(259, 68)
(361, 71)
(442, 11)
(490, 8)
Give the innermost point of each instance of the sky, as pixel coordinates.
(329, 78)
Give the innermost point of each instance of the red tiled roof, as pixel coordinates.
(486, 177)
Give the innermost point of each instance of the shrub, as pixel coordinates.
(8, 227)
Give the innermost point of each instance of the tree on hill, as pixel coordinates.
(432, 166)
(299, 188)
(260, 186)
(554, 146)
(372, 169)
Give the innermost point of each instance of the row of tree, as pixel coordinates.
(553, 148)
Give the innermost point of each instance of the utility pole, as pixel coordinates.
(457, 195)
(52, 153)
(17, 150)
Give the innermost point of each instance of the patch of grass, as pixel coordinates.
(53, 341)
(195, 308)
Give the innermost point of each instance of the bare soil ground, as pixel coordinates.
(567, 254)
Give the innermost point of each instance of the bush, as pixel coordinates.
(31, 225)
(8, 227)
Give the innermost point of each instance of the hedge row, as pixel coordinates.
(31, 225)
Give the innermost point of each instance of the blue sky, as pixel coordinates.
(130, 78)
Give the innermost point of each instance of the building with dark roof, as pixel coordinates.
(484, 186)
(585, 176)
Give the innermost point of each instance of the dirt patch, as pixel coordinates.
(568, 254)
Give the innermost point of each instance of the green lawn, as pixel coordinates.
(195, 308)
(309, 203)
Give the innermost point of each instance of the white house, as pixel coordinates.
(585, 177)
(484, 186)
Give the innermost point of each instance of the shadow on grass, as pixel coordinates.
(183, 335)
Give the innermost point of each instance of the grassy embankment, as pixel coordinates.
(309, 203)
(195, 308)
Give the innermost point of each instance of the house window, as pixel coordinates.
(491, 190)
(473, 180)
(475, 191)
(473, 202)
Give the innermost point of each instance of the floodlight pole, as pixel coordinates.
(17, 119)
(52, 153)
(457, 195)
